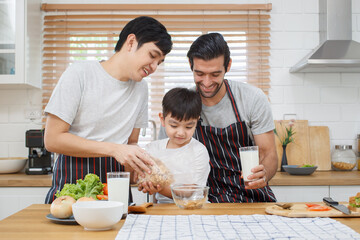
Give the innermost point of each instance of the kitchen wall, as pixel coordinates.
(330, 99)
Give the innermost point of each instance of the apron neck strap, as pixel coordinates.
(232, 99)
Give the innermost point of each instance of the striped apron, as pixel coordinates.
(225, 182)
(68, 169)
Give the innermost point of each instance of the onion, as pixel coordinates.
(62, 207)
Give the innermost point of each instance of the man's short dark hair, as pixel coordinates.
(207, 47)
(146, 29)
(182, 104)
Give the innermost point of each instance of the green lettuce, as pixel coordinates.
(354, 205)
(307, 165)
(89, 187)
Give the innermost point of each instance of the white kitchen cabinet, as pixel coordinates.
(13, 199)
(300, 193)
(342, 193)
(314, 193)
(20, 43)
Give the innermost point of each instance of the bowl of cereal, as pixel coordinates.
(189, 196)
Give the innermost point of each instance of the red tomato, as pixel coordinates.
(102, 197)
(105, 189)
(319, 208)
(312, 204)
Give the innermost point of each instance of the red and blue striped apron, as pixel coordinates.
(68, 169)
(225, 182)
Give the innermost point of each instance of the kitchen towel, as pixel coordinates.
(232, 227)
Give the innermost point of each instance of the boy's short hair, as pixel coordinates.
(182, 104)
(208, 47)
(146, 29)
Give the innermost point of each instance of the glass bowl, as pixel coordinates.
(189, 196)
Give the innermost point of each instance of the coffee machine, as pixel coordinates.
(40, 160)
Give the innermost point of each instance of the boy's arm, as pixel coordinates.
(166, 191)
(201, 165)
(58, 139)
(148, 187)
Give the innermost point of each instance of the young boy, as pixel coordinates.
(186, 158)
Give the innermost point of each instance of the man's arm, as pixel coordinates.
(59, 140)
(134, 136)
(268, 160)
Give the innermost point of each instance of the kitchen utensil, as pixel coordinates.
(319, 140)
(298, 170)
(98, 215)
(299, 210)
(39, 158)
(12, 164)
(139, 209)
(284, 205)
(298, 153)
(329, 201)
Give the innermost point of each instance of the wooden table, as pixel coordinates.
(31, 222)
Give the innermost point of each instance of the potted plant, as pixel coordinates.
(286, 136)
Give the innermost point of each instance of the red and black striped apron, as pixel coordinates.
(68, 169)
(225, 182)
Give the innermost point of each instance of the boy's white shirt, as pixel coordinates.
(188, 164)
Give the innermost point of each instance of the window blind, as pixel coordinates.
(75, 32)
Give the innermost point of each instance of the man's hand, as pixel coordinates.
(133, 156)
(259, 177)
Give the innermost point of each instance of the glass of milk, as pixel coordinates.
(118, 188)
(249, 157)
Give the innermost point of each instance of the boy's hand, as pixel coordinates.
(148, 187)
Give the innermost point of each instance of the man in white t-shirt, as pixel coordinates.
(184, 156)
(96, 111)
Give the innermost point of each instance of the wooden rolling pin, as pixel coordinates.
(139, 209)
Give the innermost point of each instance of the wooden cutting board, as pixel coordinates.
(320, 147)
(297, 152)
(300, 210)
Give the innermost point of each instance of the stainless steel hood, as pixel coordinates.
(337, 51)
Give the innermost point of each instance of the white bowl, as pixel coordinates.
(189, 196)
(12, 164)
(97, 215)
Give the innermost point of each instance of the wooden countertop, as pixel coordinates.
(318, 178)
(24, 180)
(31, 222)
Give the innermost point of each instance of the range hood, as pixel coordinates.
(337, 51)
